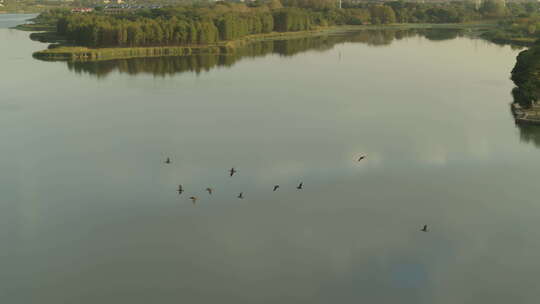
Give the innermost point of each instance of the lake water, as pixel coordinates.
(89, 211)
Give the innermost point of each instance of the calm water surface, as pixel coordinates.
(89, 212)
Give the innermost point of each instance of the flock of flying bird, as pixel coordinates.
(233, 171)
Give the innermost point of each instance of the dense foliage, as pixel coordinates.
(101, 30)
(178, 26)
(207, 24)
(526, 76)
(526, 28)
(52, 16)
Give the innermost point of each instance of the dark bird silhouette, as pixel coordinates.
(300, 186)
(424, 228)
(276, 187)
(232, 172)
(362, 157)
(193, 199)
(209, 190)
(241, 195)
(180, 189)
(168, 160)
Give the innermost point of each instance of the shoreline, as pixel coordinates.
(20, 12)
(520, 41)
(526, 116)
(80, 53)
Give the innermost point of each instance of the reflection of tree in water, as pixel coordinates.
(163, 66)
(530, 134)
(441, 34)
(159, 66)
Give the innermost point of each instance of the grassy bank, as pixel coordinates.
(35, 27)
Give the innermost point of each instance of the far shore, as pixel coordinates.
(19, 12)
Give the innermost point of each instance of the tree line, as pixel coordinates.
(102, 30)
(525, 76)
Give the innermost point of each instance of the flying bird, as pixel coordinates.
(424, 229)
(180, 189)
(232, 172)
(276, 187)
(209, 190)
(300, 186)
(241, 195)
(362, 157)
(168, 160)
(193, 199)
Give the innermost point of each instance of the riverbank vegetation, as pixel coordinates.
(521, 30)
(224, 21)
(288, 43)
(526, 76)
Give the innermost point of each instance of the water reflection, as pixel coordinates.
(89, 212)
(164, 66)
(11, 20)
(529, 134)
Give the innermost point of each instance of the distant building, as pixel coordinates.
(122, 8)
(114, 2)
(478, 3)
(82, 10)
